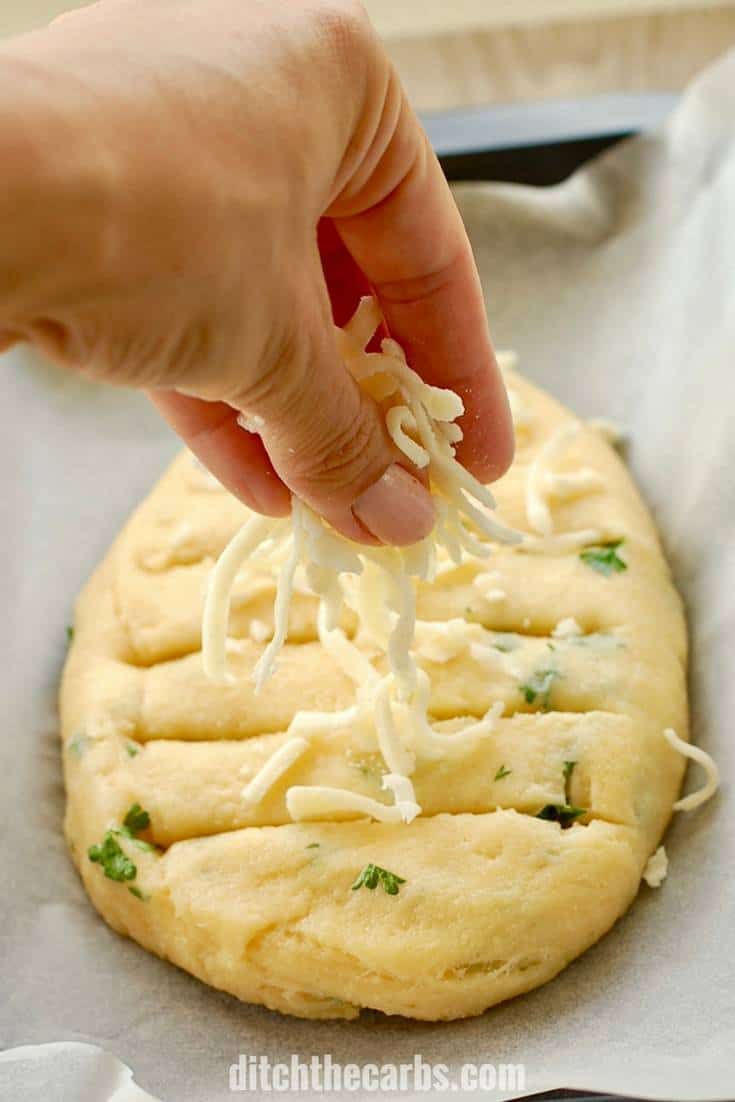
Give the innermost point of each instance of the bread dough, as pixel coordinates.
(590, 667)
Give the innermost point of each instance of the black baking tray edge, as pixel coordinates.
(539, 143)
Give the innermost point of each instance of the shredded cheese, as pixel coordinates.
(161, 558)
(251, 422)
(442, 640)
(656, 868)
(568, 486)
(538, 511)
(378, 585)
(487, 585)
(398, 419)
(284, 591)
(273, 770)
(259, 631)
(695, 753)
(567, 628)
(608, 430)
(396, 757)
(481, 729)
(313, 723)
(219, 589)
(522, 419)
(563, 542)
(323, 802)
(507, 359)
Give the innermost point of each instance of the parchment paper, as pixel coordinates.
(618, 290)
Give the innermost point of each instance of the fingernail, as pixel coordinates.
(396, 509)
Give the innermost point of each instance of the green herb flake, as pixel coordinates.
(505, 643)
(539, 686)
(564, 814)
(132, 749)
(136, 820)
(502, 773)
(604, 559)
(313, 845)
(78, 745)
(372, 875)
(568, 769)
(140, 843)
(69, 633)
(139, 894)
(116, 864)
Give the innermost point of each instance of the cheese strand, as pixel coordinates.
(712, 773)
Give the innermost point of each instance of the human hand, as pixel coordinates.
(167, 165)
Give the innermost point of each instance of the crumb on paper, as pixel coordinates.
(655, 871)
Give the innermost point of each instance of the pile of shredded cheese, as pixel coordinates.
(377, 584)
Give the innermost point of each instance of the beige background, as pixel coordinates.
(455, 53)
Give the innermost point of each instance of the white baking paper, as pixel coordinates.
(66, 1070)
(618, 290)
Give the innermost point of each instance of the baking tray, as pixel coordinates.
(541, 144)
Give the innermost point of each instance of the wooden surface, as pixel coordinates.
(409, 17)
(454, 53)
(655, 52)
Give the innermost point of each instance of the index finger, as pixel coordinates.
(403, 228)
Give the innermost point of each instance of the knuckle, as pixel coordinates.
(272, 387)
(343, 23)
(343, 459)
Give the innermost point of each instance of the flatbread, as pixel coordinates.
(587, 659)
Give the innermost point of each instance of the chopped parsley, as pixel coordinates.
(505, 643)
(313, 845)
(69, 633)
(604, 559)
(539, 686)
(132, 748)
(138, 894)
(116, 864)
(78, 745)
(502, 772)
(568, 769)
(136, 820)
(372, 875)
(563, 814)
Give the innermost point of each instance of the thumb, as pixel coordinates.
(327, 439)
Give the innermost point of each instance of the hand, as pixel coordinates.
(192, 191)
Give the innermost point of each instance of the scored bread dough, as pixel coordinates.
(589, 666)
